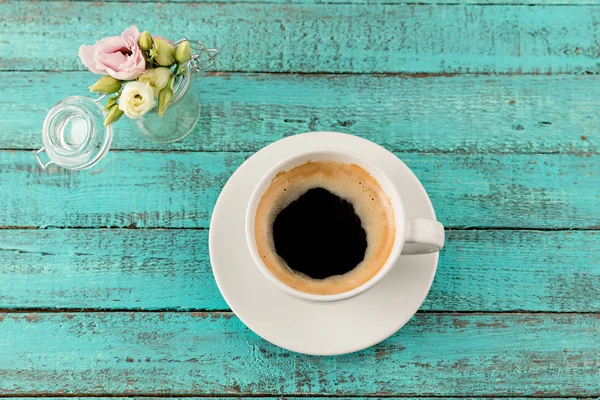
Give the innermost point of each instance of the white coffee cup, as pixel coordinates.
(413, 235)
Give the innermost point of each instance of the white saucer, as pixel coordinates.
(318, 329)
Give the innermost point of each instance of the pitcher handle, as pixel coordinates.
(39, 159)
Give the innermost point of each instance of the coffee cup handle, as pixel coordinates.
(423, 236)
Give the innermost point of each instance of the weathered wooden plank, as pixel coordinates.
(213, 353)
(170, 269)
(104, 269)
(244, 112)
(320, 37)
(178, 190)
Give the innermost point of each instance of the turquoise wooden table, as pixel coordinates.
(105, 281)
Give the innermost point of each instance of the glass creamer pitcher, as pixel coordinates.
(74, 135)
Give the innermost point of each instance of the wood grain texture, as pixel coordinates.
(170, 269)
(244, 112)
(178, 190)
(213, 353)
(319, 37)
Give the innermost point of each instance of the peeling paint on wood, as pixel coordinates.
(174, 353)
(361, 38)
(170, 269)
(244, 112)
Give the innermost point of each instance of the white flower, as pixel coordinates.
(156, 77)
(137, 99)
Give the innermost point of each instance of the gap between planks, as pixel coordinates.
(134, 227)
(459, 152)
(413, 75)
(228, 312)
(287, 397)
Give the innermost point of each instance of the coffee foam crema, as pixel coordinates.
(347, 181)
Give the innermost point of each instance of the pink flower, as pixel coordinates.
(117, 56)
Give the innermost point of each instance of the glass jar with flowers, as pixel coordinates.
(149, 80)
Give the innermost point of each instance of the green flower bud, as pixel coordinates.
(164, 97)
(163, 52)
(110, 102)
(145, 41)
(184, 52)
(113, 115)
(107, 84)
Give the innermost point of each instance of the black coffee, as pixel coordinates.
(320, 235)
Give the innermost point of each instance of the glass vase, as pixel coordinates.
(180, 118)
